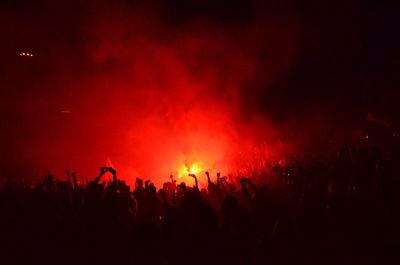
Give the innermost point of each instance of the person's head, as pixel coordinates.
(151, 189)
(122, 186)
(139, 183)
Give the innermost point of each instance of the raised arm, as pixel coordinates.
(103, 170)
(68, 176)
(245, 190)
(224, 184)
(114, 173)
(252, 185)
(208, 178)
(195, 180)
(219, 180)
(173, 182)
(74, 180)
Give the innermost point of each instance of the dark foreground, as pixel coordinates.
(344, 210)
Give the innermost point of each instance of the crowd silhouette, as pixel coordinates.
(300, 209)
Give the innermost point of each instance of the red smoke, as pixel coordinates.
(155, 98)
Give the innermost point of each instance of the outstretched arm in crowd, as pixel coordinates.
(114, 173)
(74, 180)
(245, 183)
(224, 184)
(208, 178)
(219, 180)
(195, 180)
(68, 176)
(103, 170)
(173, 181)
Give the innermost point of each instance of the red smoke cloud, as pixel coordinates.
(155, 97)
(176, 92)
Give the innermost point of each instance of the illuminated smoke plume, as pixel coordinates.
(154, 96)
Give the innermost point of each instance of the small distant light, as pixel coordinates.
(367, 137)
(28, 54)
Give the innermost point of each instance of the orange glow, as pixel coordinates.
(178, 106)
(185, 170)
(192, 169)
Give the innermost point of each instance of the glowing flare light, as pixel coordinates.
(185, 170)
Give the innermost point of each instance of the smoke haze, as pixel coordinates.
(157, 86)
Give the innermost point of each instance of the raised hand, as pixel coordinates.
(224, 184)
(68, 175)
(219, 180)
(114, 173)
(195, 179)
(74, 180)
(208, 178)
(103, 170)
(112, 170)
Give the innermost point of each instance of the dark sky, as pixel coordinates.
(313, 60)
(350, 46)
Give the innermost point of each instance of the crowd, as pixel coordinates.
(303, 210)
